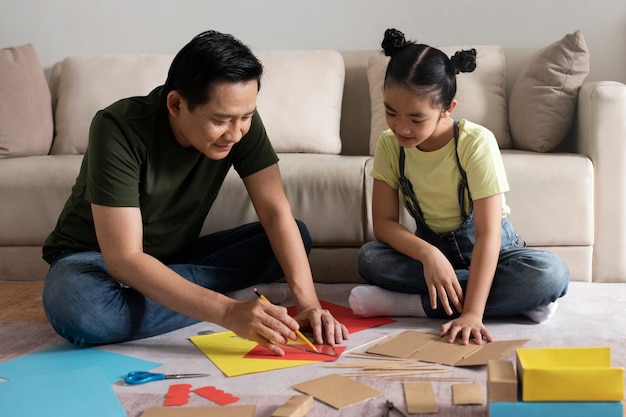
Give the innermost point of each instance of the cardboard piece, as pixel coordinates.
(569, 374)
(467, 394)
(420, 398)
(427, 347)
(296, 406)
(501, 381)
(336, 390)
(553, 409)
(228, 411)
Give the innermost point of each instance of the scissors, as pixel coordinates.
(141, 377)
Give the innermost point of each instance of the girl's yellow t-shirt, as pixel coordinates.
(435, 176)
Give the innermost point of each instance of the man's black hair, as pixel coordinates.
(210, 57)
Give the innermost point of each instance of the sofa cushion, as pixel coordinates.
(90, 83)
(543, 98)
(480, 93)
(26, 127)
(300, 98)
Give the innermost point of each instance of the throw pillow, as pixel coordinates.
(300, 100)
(543, 98)
(480, 93)
(88, 84)
(26, 126)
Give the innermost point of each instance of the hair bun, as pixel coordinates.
(393, 40)
(464, 61)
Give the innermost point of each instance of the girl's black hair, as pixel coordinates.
(210, 57)
(424, 69)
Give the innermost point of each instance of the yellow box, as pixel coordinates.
(569, 374)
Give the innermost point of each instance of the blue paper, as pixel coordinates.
(552, 409)
(72, 393)
(69, 357)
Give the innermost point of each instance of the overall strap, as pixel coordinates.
(407, 188)
(407, 191)
(463, 185)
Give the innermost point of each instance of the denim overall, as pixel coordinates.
(524, 278)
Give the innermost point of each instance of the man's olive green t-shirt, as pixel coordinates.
(134, 160)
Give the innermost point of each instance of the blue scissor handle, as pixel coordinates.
(141, 377)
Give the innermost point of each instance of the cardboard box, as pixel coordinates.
(556, 409)
(569, 374)
(501, 381)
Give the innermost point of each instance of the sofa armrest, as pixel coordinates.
(601, 134)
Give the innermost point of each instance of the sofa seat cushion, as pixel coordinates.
(34, 190)
(551, 197)
(300, 97)
(325, 191)
(480, 93)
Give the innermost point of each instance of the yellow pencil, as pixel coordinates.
(300, 335)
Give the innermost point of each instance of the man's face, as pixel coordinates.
(214, 127)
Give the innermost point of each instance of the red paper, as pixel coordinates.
(216, 395)
(345, 315)
(259, 352)
(177, 394)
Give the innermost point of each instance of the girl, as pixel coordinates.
(465, 261)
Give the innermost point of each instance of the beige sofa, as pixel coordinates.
(319, 114)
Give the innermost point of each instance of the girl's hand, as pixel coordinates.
(442, 282)
(466, 327)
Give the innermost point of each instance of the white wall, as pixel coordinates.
(59, 28)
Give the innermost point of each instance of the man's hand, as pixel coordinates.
(267, 324)
(323, 325)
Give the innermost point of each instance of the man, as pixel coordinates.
(126, 260)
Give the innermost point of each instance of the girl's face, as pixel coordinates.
(413, 119)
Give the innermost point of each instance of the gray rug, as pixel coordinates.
(589, 315)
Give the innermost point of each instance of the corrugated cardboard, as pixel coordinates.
(501, 381)
(427, 347)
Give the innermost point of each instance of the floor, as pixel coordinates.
(589, 315)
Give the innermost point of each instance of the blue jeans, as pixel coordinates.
(524, 278)
(87, 306)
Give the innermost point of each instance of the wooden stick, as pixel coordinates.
(364, 344)
(433, 378)
(391, 373)
(365, 364)
(374, 356)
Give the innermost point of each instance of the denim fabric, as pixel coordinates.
(524, 278)
(87, 306)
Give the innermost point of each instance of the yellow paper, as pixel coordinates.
(569, 374)
(227, 350)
